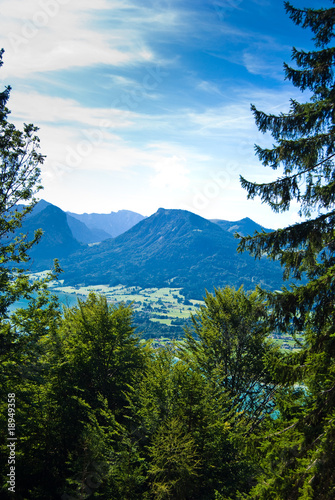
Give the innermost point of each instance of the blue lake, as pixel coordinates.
(66, 299)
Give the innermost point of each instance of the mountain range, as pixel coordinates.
(65, 233)
(174, 248)
(106, 225)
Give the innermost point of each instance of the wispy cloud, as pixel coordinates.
(210, 87)
(224, 118)
(58, 35)
(265, 58)
(43, 109)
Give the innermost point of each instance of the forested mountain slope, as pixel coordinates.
(171, 248)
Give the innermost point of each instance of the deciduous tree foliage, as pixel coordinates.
(94, 359)
(304, 150)
(22, 333)
(174, 461)
(230, 343)
(20, 162)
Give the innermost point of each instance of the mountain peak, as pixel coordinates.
(174, 219)
(245, 226)
(171, 246)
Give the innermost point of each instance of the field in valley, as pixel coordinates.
(159, 313)
(164, 304)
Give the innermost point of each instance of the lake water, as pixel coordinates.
(66, 299)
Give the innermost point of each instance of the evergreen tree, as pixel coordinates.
(174, 462)
(303, 463)
(174, 400)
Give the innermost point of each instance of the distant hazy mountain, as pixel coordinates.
(172, 248)
(244, 226)
(63, 234)
(78, 229)
(84, 234)
(57, 240)
(41, 205)
(112, 224)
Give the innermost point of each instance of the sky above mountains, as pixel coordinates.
(146, 104)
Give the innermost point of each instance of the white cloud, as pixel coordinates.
(52, 35)
(265, 59)
(37, 41)
(40, 109)
(233, 117)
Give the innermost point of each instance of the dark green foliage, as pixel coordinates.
(298, 459)
(230, 344)
(101, 355)
(175, 403)
(104, 415)
(174, 462)
(74, 416)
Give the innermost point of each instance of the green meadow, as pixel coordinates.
(163, 307)
(162, 304)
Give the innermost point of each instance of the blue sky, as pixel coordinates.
(146, 104)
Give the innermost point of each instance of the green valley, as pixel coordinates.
(167, 309)
(159, 313)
